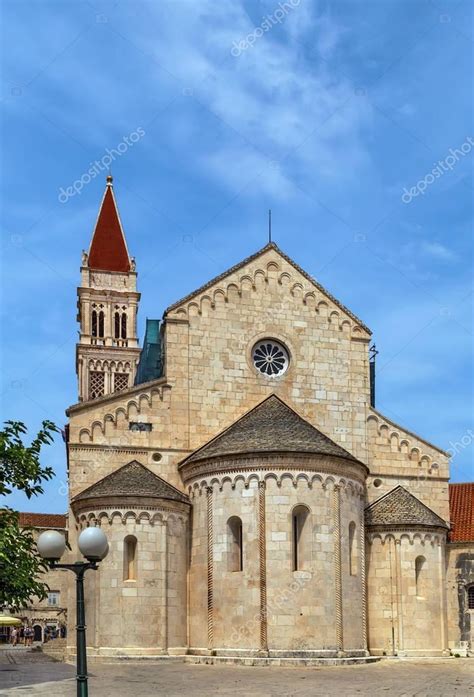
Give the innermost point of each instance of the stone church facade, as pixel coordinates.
(255, 500)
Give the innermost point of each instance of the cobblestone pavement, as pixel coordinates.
(35, 674)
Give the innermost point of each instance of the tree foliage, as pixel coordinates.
(20, 469)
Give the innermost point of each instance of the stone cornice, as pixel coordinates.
(128, 504)
(271, 462)
(133, 449)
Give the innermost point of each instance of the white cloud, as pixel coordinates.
(438, 251)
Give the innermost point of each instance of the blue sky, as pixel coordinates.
(327, 117)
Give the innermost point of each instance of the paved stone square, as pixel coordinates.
(36, 674)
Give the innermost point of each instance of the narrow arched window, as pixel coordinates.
(352, 549)
(101, 323)
(470, 597)
(235, 544)
(117, 325)
(124, 325)
(130, 558)
(301, 538)
(94, 323)
(420, 563)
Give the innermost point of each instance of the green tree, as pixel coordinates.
(20, 469)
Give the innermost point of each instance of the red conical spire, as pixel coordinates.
(108, 250)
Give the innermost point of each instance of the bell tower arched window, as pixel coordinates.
(301, 537)
(124, 325)
(235, 544)
(101, 324)
(94, 323)
(117, 324)
(130, 558)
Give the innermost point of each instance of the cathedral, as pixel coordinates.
(256, 502)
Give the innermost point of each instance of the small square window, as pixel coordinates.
(139, 426)
(53, 598)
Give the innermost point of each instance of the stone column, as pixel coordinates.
(210, 570)
(399, 593)
(336, 501)
(165, 585)
(262, 568)
(443, 610)
(363, 579)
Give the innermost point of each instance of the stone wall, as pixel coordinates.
(146, 614)
(302, 610)
(406, 618)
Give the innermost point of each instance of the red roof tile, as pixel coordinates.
(43, 520)
(108, 250)
(461, 508)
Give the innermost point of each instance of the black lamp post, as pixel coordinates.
(94, 546)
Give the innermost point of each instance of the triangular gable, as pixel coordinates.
(108, 250)
(271, 426)
(399, 507)
(129, 480)
(252, 258)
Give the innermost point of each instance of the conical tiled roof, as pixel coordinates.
(399, 507)
(271, 426)
(108, 250)
(132, 480)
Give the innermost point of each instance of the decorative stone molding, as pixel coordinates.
(278, 466)
(408, 443)
(312, 296)
(309, 479)
(262, 544)
(210, 570)
(336, 508)
(363, 577)
(152, 514)
(422, 537)
(86, 435)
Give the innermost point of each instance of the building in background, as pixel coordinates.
(48, 617)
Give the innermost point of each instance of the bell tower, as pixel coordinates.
(107, 352)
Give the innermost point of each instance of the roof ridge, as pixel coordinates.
(252, 257)
(392, 492)
(84, 494)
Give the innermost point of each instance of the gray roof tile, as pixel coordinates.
(132, 480)
(399, 507)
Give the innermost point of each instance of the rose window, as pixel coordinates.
(270, 358)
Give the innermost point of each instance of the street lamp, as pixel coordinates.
(93, 544)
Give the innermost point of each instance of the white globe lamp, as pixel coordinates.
(93, 544)
(51, 545)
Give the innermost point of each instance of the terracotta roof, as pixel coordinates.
(270, 245)
(271, 426)
(461, 509)
(400, 508)
(43, 520)
(108, 250)
(132, 480)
